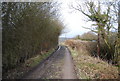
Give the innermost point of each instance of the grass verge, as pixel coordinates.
(28, 65)
(88, 67)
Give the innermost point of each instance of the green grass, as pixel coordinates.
(29, 64)
(36, 60)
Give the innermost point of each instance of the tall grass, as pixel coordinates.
(87, 65)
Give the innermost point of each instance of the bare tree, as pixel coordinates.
(100, 18)
(28, 29)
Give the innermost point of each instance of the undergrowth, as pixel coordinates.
(87, 66)
(28, 65)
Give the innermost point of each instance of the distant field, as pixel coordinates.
(63, 39)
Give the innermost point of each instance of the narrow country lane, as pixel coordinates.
(58, 66)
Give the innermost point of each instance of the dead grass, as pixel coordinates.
(88, 67)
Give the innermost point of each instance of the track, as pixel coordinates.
(57, 66)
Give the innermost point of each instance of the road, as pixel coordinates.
(58, 66)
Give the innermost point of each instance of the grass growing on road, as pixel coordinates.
(88, 67)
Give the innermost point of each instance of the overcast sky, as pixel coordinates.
(75, 21)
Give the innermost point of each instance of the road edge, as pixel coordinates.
(72, 61)
(43, 61)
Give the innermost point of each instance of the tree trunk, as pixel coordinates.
(118, 41)
(117, 45)
(119, 20)
(98, 45)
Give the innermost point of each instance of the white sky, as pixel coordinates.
(75, 21)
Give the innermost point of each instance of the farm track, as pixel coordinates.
(58, 66)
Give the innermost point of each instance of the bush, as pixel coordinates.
(28, 29)
(89, 36)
